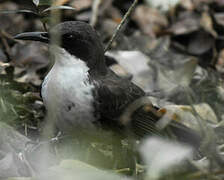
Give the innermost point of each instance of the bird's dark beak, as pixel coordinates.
(34, 36)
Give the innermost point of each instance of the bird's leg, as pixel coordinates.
(125, 157)
(33, 146)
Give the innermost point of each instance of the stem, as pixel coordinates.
(45, 26)
(95, 9)
(121, 25)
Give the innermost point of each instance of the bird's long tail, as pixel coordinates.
(144, 120)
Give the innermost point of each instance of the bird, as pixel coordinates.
(82, 93)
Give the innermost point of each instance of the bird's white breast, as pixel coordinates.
(67, 92)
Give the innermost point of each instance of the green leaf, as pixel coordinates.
(46, 19)
(45, 2)
(57, 8)
(19, 12)
(36, 2)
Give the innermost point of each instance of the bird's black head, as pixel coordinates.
(76, 37)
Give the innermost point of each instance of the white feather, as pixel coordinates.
(67, 92)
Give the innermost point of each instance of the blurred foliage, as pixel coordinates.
(42, 11)
(17, 102)
(194, 31)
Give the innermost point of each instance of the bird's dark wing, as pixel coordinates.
(113, 94)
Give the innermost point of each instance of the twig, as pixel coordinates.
(95, 9)
(122, 170)
(9, 36)
(6, 45)
(200, 175)
(121, 25)
(25, 130)
(45, 26)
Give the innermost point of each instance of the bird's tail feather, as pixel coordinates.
(144, 122)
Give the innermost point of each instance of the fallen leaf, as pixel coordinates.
(150, 20)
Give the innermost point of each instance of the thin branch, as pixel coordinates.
(199, 175)
(121, 25)
(45, 26)
(5, 44)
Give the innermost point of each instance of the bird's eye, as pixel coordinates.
(70, 36)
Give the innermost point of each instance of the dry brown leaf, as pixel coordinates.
(150, 20)
(187, 4)
(207, 24)
(220, 62)
(81, 4)
(60, 2)
(219, 17)
(187, 22)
